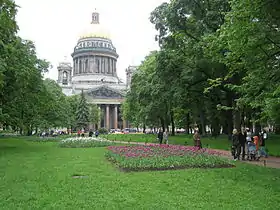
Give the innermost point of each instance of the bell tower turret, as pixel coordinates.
(129, 73)
(64, 73)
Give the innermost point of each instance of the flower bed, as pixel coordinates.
(164, 157)
(84, 142)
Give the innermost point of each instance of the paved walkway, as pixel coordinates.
(271, 162)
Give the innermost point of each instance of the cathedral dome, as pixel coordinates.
(95, 29)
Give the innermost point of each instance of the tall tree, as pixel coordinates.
(82, 113)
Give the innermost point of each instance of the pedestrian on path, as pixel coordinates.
(242, 140)
(165, 137)
(248, 140)
(196, 139)
(262, 144)
(160, 136)
(235, 148)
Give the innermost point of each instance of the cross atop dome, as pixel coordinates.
(95, 17)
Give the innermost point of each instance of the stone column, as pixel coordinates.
(103, 65)
(116, 116)
(114, 67)
(100, 64)
(77, 66)
(85, 64)
(74, 66)
(107, 65)
(82, 66)
(96, 64)
(100, 112)
(107, 116)
(79, 69)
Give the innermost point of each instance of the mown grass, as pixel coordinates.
(221, 142)
(38, 175)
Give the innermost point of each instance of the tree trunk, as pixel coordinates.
(229, 113)
(237, 120)
(277, 129)
(215, 128)
(172, 123)
(202, 123)
(144, 128)
(162, 124)
(188, 123)
(258, 128)
(225, 127)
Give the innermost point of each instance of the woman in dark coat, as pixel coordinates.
(235, 148)
(242, 141)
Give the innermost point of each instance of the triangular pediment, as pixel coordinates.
(104, 92)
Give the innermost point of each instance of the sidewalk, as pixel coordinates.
(271, 162)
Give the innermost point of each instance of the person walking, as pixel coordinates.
(235, 148)
(262, 144)
(257, 143)
(242, 140)
(196, 138)
(165, 137)
(96, 133)
(160, 136)
(248, 140)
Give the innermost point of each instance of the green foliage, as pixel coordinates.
(27, 101)
(103, 131)
(82, 113)
(72, 104)
(218, 61)
(94, 114)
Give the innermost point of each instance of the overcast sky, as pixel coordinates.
(55, 26)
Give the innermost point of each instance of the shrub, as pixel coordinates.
(103, 131)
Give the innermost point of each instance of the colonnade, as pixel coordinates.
(110, 118)
(94, 64)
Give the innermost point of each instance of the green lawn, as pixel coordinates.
(37, 175)
(222, 142)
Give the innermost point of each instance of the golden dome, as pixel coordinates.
(95, 30)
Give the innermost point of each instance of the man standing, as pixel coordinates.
(235, 148)
(160, 136)
(242, 141)
(262, 143)
(165, 136)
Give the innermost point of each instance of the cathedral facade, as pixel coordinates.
(94, 71)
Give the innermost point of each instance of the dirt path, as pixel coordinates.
(271, 162)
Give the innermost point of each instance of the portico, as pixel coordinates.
(109, 102)
(111, 117)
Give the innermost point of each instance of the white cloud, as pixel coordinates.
(55, 25)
